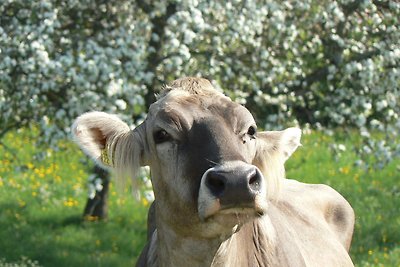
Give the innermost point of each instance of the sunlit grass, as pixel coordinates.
(41, 202)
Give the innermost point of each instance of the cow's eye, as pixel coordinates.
(161, 136)
(252, 131)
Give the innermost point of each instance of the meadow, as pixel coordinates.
(41, 204)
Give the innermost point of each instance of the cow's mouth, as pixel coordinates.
(234, 218)
(238, 212)
(245, 210)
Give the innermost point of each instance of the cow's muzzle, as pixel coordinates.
(232, 187)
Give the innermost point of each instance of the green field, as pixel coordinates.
(41, 202)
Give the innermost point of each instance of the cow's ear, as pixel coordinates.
(283, 142)
(104, 137)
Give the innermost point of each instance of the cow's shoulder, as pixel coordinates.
(323, 203)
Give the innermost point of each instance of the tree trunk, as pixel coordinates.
(97, 208)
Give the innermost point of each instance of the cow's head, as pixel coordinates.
(211, 170)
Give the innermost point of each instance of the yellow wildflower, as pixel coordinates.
(76, 186)
(386, 256)
(344, 170)
(49, 170)
(21, 203)
(57, 178)
(35, 185)
(70, 202)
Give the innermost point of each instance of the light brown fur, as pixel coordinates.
(288, 224)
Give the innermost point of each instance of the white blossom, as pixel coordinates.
(55, 66)
(121, 104)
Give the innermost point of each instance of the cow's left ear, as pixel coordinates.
(283, 142)
(273, 149)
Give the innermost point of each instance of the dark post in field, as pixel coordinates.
(97, 207)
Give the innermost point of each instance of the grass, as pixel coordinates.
(41, 203)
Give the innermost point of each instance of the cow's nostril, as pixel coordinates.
(216, 183)
(255, 181)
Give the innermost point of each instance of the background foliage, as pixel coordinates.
(325, 63)
(317, 64)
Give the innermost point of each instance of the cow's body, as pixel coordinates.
(221, 195)
(309, 225)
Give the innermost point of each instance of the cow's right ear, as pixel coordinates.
(106, 139)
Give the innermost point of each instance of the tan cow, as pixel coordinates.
(221, 195)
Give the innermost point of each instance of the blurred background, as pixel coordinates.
(329, 67)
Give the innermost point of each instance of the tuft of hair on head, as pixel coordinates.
(192, 85)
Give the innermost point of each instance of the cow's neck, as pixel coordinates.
(253, 245)
(239, 249)
(174, 249)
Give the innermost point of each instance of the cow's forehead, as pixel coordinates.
(193, 107)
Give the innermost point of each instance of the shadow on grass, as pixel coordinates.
(73, 220)
(64, 239)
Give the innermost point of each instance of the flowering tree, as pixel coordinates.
(59, 59)
(322, 63)
(62, 58)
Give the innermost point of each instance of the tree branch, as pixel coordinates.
(351, 7)
(155, 56)
(381, 4)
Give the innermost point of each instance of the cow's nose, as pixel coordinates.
(237, 187)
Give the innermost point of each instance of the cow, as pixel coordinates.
(221, 196)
